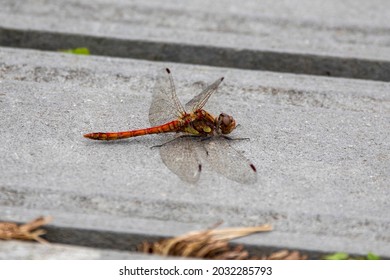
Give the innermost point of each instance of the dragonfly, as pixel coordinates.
(182, 155)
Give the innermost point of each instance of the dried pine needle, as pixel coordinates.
(208, 244)
(286, 255)
(28, 231)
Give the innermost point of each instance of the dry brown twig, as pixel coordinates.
(285, 255)
(208, 244)
(28, 231)
(214, 244)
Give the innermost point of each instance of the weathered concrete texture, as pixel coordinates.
(321, 147)
(348, 39)
(20, 250)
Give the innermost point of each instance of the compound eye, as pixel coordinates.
(227, 123)
(226, 119)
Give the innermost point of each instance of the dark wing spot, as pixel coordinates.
(168, 71)
(253, 167)
(200, 167)
(222, 78)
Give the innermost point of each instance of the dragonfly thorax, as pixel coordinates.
(225, 123)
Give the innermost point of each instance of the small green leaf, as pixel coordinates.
(337, 256)
(79, 51)
(371, 256)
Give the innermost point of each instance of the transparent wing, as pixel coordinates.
(181, 158)
(227, 161)
(201, 99)
(165, 105)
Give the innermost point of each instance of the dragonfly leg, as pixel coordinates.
(205, 138)
(229, 138)
(224, 136)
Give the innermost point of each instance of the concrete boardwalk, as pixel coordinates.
(321, 146)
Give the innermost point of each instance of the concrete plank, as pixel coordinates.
(19, 250)
(321, 147)
(348, 39)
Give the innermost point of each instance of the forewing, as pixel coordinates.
(165, 105)
(201, 99)
(181, 158)
(227, 161)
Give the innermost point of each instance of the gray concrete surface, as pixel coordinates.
(347, 39)
(21, 250)
(321, 147)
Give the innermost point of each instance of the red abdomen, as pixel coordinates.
(168, 127)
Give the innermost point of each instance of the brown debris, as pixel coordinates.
(214, 244)
(208, 244)
(28, 231)
(285, 255)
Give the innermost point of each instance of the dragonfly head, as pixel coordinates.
(226, 123)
